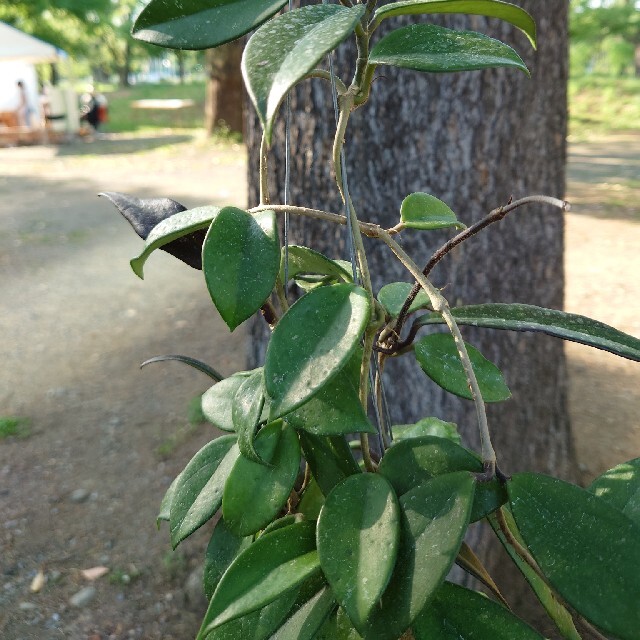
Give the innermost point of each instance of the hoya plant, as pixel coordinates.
(320, 534)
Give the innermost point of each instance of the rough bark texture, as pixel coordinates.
(224, 91)
(472, 139)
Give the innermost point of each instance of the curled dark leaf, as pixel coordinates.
(192, 362)
(143, 214)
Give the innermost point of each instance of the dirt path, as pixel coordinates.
(75, 322)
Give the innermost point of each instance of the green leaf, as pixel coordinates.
(489, 8)
(329, 458)
(393, 295)
(165, 505)
(176, 226)
(306, 622)
(435, 516)
(312, 342)
(247, 408)
(271, 566)
(192, 362)
(490, 496)
(525, 317)
(424, 211)
(338, 627)
(223, 547)
(336, 409)
(255, 493)
(456, 613)
(426, 427)
(257, 625)
(620, 487)
(412, 462)
(548, 599)
(426, 47)
(240, 261)
(357, 535)
(198, 493)
(438, 356)
(589, 551)
(201, 24)
(311, 501)
(304, 261)
(288, 47)
(217, 401)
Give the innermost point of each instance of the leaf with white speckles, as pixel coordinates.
(240, 261)
(201, 24)
(438, 356)
(588, 550)
(426, 47)
(284, 50)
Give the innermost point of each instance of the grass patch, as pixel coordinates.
(11, 426)
(601, 105)
(123, 118)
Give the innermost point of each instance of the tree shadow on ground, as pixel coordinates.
(120, 143)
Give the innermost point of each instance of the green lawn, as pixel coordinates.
(601, 105)
(122, 118)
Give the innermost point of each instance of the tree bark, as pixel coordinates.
(474, 140)
(224, 92)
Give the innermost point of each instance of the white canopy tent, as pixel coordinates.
(18, 46)
(19, 52)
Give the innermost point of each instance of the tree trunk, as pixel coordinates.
(474, 140)
(224, 93)
(125, 70)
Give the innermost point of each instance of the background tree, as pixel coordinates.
(609, 29)
(473, 140)
(224, 92)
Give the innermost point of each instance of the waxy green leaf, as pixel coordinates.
(311, 501)
(165, 505)
(426, 47)
(305, 623)
(287, 48)
(247, 408)
(620, 487)
(426, 427)
(217, 401)
(336, 409)
(435, 516)
(304, 262)
(393, 295)
(191, 362)
(224, 546)
(548, 599)
(329, 458)
(257, 625)
(273, 565)
(490, 496)
(489, 8)
(426, 212)
(357, 535)
(201, 24)
(438, 357)
(312, 342)
(587, 549)
(173, 228)
(198, 493)
(409, 463)
(255, 493)
(526, 317)
(456, 613)
(240, 261)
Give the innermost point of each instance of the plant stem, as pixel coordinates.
(341, 87)
(517, 547)
(282, 295)
(369, 337)
(494, 216)
(264, 172)
(441, 306)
